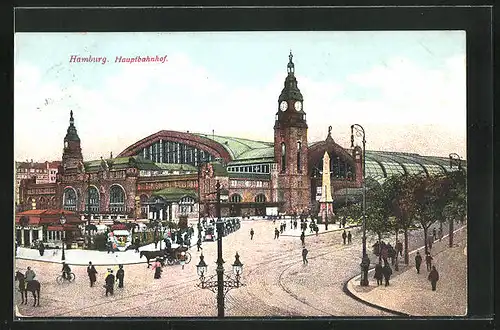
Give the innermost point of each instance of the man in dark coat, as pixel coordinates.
(304, 256)
(303, 238)
(399, 248)
(316, 229)
(137, 243)
(349, 238)
(428, 261)
(433, 277)
(434, 234)
(110, 283)
(344, 236)
(378, 273)
(251, 234)
(91, 272)
(387, 271)
(276, 233)
(120, 274)
(41, 248)
(418, 262)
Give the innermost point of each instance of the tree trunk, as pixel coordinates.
(407, 258)
(425, 239)
(451, 222)
(379, 248)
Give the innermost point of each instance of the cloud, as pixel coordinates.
(407, 104)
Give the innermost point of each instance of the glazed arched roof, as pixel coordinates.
(379, 164)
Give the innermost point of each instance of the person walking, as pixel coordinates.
(429, 242)
(440, 233)
(387, 271)
(198, 245)
(110, 283)
(433, 277)
(316, 229)
(157, 268)
(304, 256)
(399, 248)
(276, 233)
(349, 238)
(434, 234)
(428, 261)
(303, 238)
(344, 221)
(120, 274)
(378, 273)
(137, 243)
(418, 262)
(344, 236)
(91, 272)
(41, 249)
(251, 234)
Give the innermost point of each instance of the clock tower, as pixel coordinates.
(290, 146)
(72, 159)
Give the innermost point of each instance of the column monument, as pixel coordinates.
(326, 200)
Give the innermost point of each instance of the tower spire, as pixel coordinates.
(290, 66)
(71, 119)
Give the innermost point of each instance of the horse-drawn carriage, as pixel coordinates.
(169, 256)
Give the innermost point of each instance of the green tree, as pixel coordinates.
(456, 207)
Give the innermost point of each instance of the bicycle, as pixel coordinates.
(60, 279)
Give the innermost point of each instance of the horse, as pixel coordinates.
(33, 287)
(152, 255)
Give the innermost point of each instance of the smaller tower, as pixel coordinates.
(72, 158)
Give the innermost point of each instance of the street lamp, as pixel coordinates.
(62, 220)
(88, 210)
(223, 283)
(365, 261)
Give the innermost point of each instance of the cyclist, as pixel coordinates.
(66, 271)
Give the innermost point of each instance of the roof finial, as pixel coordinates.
(71, 119)
(290, 66)
(329, 136)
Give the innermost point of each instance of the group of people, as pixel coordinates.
(433, 276)
(347, 236)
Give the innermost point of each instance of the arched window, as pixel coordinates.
(93, 199)
(69, 199)
(283, 157)
(186, 204)
(235, 198)
(144, 207)
(260, 198)
(299, 150)
(116, 199)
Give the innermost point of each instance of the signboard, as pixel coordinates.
(272, 210)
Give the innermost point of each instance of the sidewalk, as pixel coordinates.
(331, 228)
(410, 293)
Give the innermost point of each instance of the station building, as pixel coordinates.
(172, 173)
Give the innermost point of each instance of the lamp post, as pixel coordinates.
(62, 220)
(224, 283)
(454, 159)
(88, 210)
(365, 261)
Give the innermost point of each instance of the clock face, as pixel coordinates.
(283, 105)
(298, 105)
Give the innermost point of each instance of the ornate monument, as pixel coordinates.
(326, 200)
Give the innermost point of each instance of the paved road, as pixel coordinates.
(277, 284)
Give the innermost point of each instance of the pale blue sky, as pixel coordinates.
(412, 83)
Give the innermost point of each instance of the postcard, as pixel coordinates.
(240, 174)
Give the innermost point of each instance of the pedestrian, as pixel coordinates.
(385, 253)
(108, 246)
(276, 233)
(157, 268)
(120, 274)
(316, 229)
(344, 220)
(344, 236)
(440, 233)
(91, 272)
(399, 248)
(198, 245)
(110, 283)
(304, 256)
(349, 238)
(295, 224)
(378, 273)
(418, 262)
(251, 234)
(428, 261)
(137, 243)
(434, 234)
(429, 242)
(387, 271)
(433, 277)
(41, 249)
(303, 238)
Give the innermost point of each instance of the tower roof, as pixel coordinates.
(71, 134)
(290, 90)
